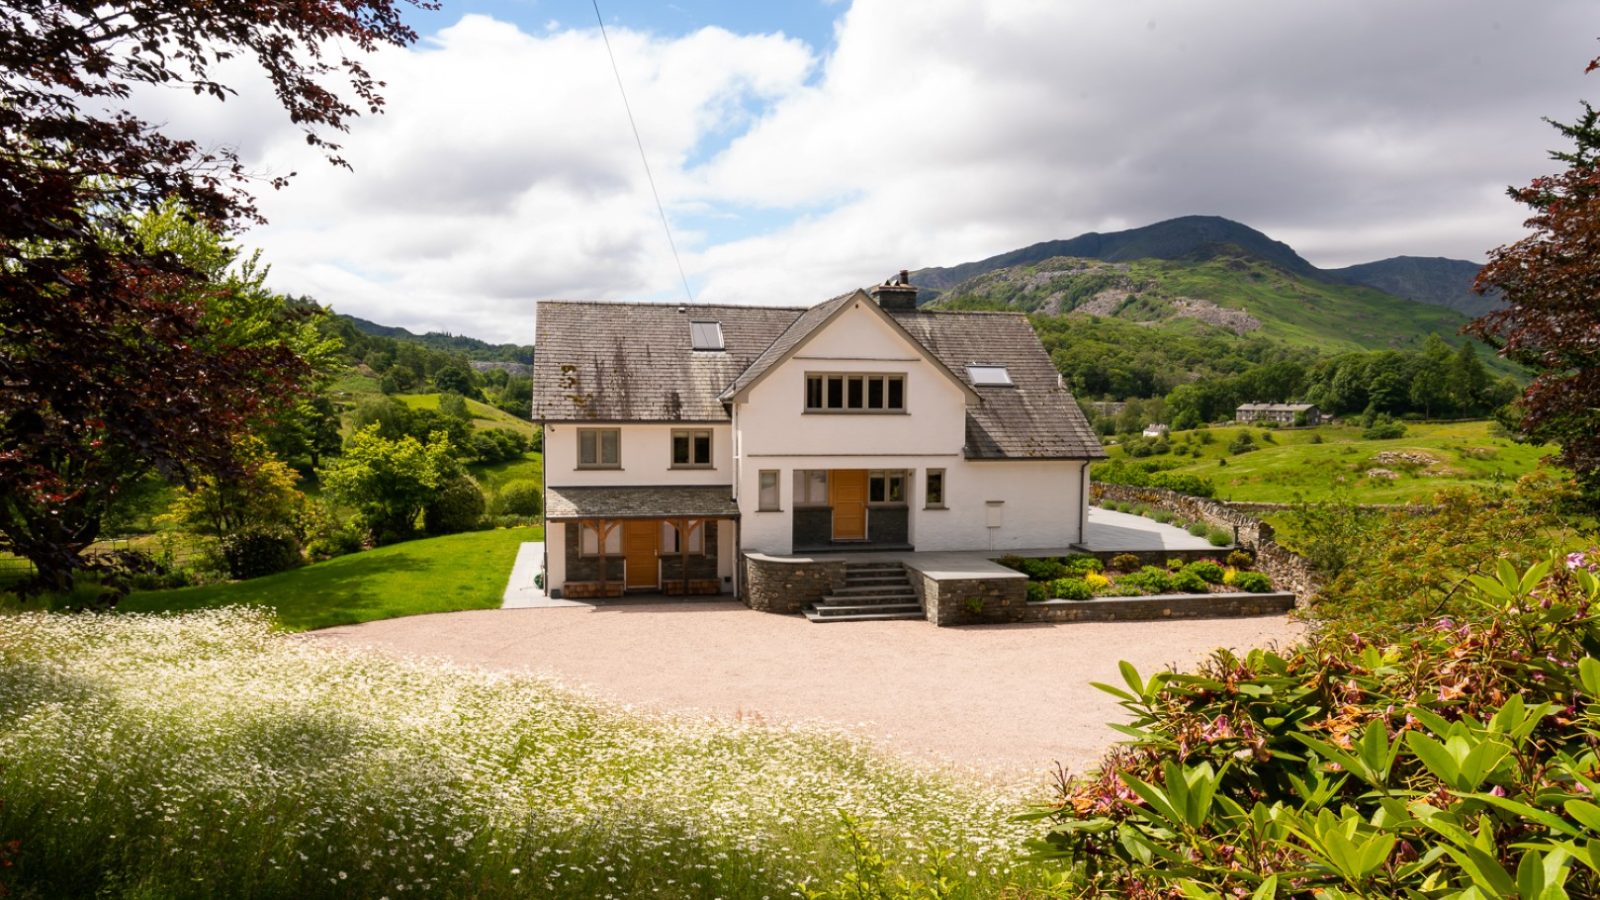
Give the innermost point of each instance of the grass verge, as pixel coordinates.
(442, 574)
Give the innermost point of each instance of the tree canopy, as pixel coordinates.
(1551, 283)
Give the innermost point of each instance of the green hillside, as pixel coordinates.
(1309, 464)
(483, 415)
(1227, 293)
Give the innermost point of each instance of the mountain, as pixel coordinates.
(1424, 279)
(1188, 237)
(472, 348)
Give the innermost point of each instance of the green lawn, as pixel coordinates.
(443, 574)
(1294, 468)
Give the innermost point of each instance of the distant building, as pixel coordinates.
(1282, 413)
(1156, 431)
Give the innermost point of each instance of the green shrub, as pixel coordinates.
(1038, 592)
(520, 497)
(1152, 473)
(1140, 509)
(1252, 582)
(258, 550)
(1174, 564)
(1384, 431)
(1124, 562)
(1198, 529)
(340, 541)
(1241, 559)
(1460, 764)
(1185, 581)
(1071, 589)
(1149, 580)
(1080, 564)
(1163, 516)
(456, 507)
(1219, 537)
(1243, 443)
(1208, 569)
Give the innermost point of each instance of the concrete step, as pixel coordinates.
(867, 599)
(858, 587)
(877, 614)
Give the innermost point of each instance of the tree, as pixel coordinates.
(111, 359)
(389, 481)
(1551, 318)
(1430, 387)
(263, 494)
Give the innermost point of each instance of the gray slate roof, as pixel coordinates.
(1275, 407)
(1034, 418)
(710, 502)
(631, 362)
(620, 362)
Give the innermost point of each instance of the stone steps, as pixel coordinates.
(872, 591)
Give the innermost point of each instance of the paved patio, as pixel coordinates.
(1005, 700)
(1109, 530)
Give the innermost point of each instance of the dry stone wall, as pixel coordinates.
(780, 585)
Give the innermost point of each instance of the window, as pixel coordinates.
(768, 494)
(810, 487)
(989, 376)
(705, 335)
(589, 543)
(697, 539)
(599, 448)
(887, 488)
(691, 449)
(855, 393)
(933, 490)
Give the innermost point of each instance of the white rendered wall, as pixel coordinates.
(646, 455)
(555, 554)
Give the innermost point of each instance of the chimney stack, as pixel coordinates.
(897, 294)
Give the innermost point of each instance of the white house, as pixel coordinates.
(679, 437)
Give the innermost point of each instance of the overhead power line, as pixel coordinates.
(667, 226)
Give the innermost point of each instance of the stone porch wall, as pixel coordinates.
(971, 601)
(1288, 571)
(788, 585)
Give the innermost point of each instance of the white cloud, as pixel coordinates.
(933, 133)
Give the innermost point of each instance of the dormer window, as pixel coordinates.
(705, 335)
(989, 376)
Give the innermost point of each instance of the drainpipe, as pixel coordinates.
(1083, 504)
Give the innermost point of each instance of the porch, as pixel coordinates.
(611, 542)
(851, 510)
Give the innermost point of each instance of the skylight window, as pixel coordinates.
(705, 335)
(989, 376)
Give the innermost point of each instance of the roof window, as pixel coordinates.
(989, 376)
(705, 335)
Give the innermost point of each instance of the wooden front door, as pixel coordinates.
(847, 494)
(641, 542)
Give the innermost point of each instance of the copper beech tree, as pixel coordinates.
(109, 366)
(1551, 318)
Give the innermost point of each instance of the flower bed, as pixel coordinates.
(1084, 577)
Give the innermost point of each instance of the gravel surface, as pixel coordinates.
(1008, 701)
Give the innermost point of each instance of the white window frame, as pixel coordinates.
(597, 443)
(808, 486)
(768, 491)
(889, 477)
(690, 435)
(928, 492)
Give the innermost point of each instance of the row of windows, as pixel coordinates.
(855, 393)
(885, 488)
(601, 448)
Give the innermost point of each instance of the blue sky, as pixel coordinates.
(802, 149)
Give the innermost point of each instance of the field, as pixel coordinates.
(443, 574)
(207, 755)
(483, 415)
(1294, 467)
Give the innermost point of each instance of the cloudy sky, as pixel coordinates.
(807, 147)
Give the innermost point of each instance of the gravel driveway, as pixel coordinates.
(1007, 700)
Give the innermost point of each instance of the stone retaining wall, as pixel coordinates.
(1160, 606)
(1288, 570)
(784, 585)
(971, 601)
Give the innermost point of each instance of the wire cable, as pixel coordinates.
(667, 226)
